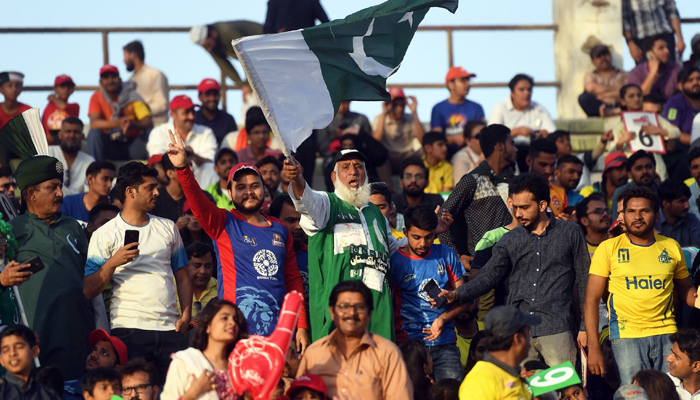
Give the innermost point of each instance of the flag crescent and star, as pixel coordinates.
(302, 76)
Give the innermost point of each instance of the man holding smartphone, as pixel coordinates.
(419, 270)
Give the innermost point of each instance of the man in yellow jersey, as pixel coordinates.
(642, 270)
(497, 376)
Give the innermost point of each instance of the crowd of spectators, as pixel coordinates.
(444, 260)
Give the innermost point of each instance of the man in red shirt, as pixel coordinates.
(59, 108)
(11, 86)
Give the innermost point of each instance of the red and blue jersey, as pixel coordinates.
(257, 263)
(412, 312)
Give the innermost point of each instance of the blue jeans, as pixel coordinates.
(446, 362)
(633, 355)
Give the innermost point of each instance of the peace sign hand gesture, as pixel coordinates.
(176, 150)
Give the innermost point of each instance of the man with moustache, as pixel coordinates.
(151, 84)
(75, 162)
(53, 298)
(594, 218)
(641, 168)
(209, 115)
(641, 270)
(258, 264)
(674, 220)
(349, 239)
(682, 107)
(601, 97)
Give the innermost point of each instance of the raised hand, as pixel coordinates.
(412, 104)
(176, 150)
(444, 221)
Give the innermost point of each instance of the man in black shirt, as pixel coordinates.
(210, 115)
(414, 180)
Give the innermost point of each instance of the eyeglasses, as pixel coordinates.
(140, 389)
(377, 184)
(9, 185)
(345, 308)
(417, 177)
(600, 211)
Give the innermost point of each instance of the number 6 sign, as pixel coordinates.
(561, 376)
(634, 121)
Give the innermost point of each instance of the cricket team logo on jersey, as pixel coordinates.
(250, 240)
(441, 269)
(623, 256)
(265, 264)
(664, 258)
(277, 240)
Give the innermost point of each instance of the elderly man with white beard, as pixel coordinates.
(349, 238)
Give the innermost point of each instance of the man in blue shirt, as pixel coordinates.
(450, 116)
(675, 221)
(210, 115)
(412, 267)
(100, 175)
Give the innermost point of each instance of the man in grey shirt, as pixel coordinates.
(540, 260)
(675, 221)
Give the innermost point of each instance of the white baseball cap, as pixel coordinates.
(198, 34)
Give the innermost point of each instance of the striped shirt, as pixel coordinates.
(645, 18)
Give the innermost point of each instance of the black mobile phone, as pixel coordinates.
(433, 291)
(569, 210)
(35, 265)
(131, 236)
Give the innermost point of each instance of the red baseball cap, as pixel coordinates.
(458, 72)
(109, 68)
(614, 160)
(155, 159)
(309, 381)
(241, 166)
(61, 79)
(397, 92)
(208, 84)
(119, 346)
(181, 101)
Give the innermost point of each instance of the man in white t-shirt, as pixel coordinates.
(684, 363)
(143, 311)
(75, 162)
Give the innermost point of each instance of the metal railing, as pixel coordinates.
(448, 29)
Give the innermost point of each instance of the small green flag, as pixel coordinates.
(559, 377)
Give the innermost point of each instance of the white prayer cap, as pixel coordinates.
(198, 34)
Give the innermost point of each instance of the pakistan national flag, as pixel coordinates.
(302, 76)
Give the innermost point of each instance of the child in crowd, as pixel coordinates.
(18, 349)
(58, 108)
(440, 170)
(573, 392)
(307, 387)
(446, 389)
(11, 84)
(101, 384)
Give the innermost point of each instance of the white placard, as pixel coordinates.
(634, 121)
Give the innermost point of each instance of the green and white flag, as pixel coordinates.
(302, 76)
(24, 135)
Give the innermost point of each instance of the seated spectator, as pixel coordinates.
(682, 108)
(345, 117)
(258, 131)
(563, 141)
(11, 84)
(223, 162)
(149, 324)
(119, 119)
(467, 327)
(374, 361)
(567, 176)
(602, 87)
(420, 367)
(441, 177)
(396, 130)
(170, 202)
(614, 176)
(107, 352)
(192, 232)
(19, 349)
(203, 368)
(202, 263)
(675, 221)
(59, 108)
(658, 385)
(101, 384)
(477, 351)
(573, 392)
(470, 156)
(350, 137)
(100, 175)
(424, 262)
(209, 115)
(139, 380)
(658, 74)
(508, 343)
(380, 196)
(451, 116)
(414, 180)
(199, 140)
(98, 216)
(447, 389)
(525, 118)
(75, 162)
(270, 168)
(694, 59)
(307, 387)
(684, 362)
(151, 84)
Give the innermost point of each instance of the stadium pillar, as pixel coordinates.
(582, 25)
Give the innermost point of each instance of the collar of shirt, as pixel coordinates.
(663, 220)
(552, 223)
(511, 107)
(17, 381)
(332, 340)
(484, 169)
(212, 285)
(436, 166)
(513, 371)
(37, 219)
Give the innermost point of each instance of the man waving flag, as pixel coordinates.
(302, 76)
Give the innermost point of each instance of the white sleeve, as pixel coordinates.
(314, 208)
(695, 131)
(157, 142)
(208, 147)
(547, 122)
(176, 381)
(496, 116)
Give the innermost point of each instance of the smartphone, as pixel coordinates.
(650, 55)
(35, 265)
(433, 291)
(131, 236)
(569, 210)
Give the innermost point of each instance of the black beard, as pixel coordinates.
(130, 67)
(70, 149)
(692, 95)
(248, 210)
(413, 193)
